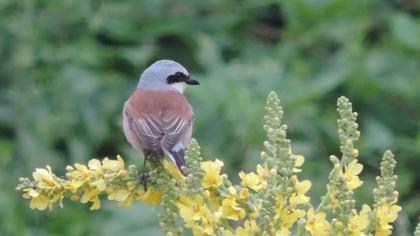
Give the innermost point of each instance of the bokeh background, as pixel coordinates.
(66, 68)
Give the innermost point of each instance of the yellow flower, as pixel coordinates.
(351, 172)
(334, 202)
(193, 210)
(77, 177)
(83, 171)
(95, 166)
(317, 225)
(119, 195)
(355, 153)
(231, 209)
(263, 174)
(244, 193)
(45, 178)
(301, 188)
(288, 214)
(96, 203)
(91, 195)
(214, 198)
(299, 160)
(387, 213)
(250, 180)
(204, 228)
(383, 231)
(30, 193)
(99, 184)
(173, 169)
(232, 190)
(73, 185)
(40, 202)
(116, 166)
(151, 196)
(291, 214)
(123, 196)
(339, 227)
(128, 201)
(358, 222)
(294, 200)
(212, 177)
(75, 197)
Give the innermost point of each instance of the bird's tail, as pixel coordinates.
(178, 158)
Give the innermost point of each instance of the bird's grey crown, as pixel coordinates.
(154, 77)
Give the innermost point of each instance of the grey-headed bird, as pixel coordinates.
(157, 118)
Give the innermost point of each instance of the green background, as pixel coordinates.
(66, 68)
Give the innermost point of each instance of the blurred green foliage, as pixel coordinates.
(66, 67)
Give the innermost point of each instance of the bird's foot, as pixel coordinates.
(144, 177)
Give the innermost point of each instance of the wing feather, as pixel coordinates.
(149, 134)
(177, 133)
(174, 130)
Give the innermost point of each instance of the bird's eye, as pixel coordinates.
(177, 77)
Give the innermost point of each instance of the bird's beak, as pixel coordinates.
(192, 81)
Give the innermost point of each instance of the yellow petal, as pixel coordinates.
(96, 203)
(232, 210)
(30, 193)
(244, 193)
(299, 160)
(88, 194)
(250, 180)
(173, 169)
(303, 187)
(94, 164)
(119, 195)
(113, 165)
(41, 202)
(81, 168)
(45, 178)
(151, 196)
(209, 166)
(354, 182)
(354, 168)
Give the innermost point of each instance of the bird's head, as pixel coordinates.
(166, 75)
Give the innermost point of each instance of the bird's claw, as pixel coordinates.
(144, 176)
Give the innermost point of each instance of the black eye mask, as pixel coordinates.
(181, 77)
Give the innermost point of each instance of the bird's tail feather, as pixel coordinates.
(178, 158)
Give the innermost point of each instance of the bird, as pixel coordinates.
(157, 117)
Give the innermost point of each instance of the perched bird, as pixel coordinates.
(157, 118)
